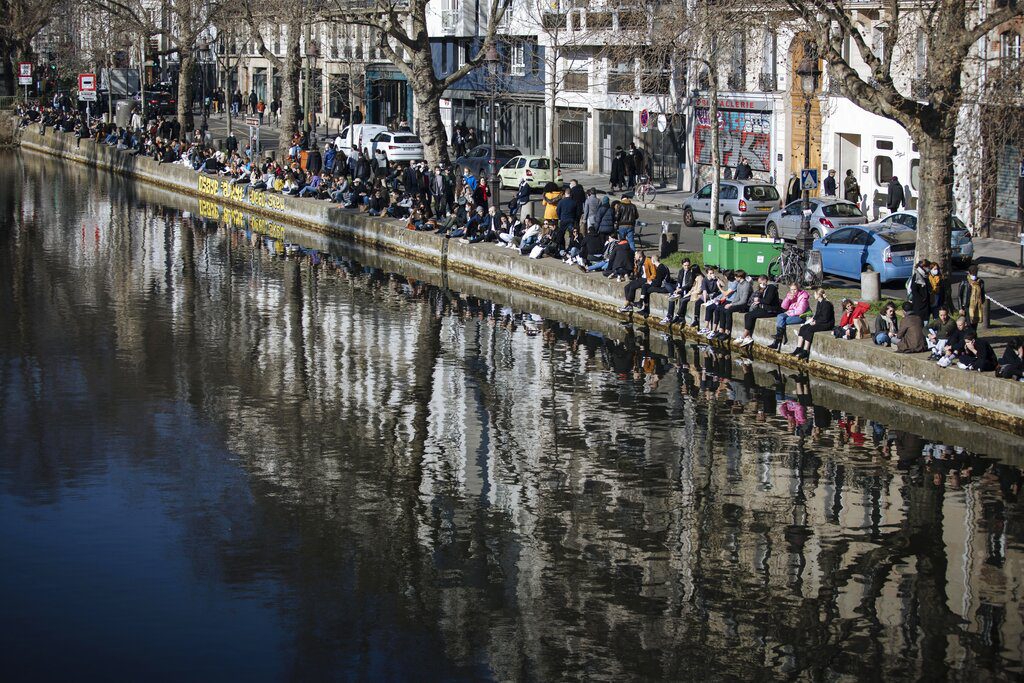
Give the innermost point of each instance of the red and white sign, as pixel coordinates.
(24, 73)
(86, 82)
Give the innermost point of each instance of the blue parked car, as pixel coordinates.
(885, 249)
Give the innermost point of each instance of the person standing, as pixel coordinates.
(793, 191)
(617, 179)
(579, 196)
(639, 165)
(851, 188)
(743, 170)
(357, 116)
(971, 297)
(591, 205)
(253, 100)
(920, 295)
(897, 198)
(830, 184)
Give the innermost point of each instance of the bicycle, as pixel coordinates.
(791, 266)
(644, 192)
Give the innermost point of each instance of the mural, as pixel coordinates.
(744, 135)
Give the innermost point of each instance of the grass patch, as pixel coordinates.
(675, 261)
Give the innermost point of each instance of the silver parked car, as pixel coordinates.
(961, 243)
(741, 203)
(827, 214)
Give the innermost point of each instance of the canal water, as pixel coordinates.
(221, 460)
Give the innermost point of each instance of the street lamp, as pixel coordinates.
(493, 182)
(808, 72)
(202, 47)
(312, 53)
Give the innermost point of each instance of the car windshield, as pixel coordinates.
(842, 211)
(761, 193)
(406, 139)
(539, 163)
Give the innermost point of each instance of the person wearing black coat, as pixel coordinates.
(621, 263)
(1011, 365)
(920, 292)
(977, 354)
(896, 198)
(824, 320)
(618, 174)
(793, 191)
(314, 162)
(764, 303)
(579, 195)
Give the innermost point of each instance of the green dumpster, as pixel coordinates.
(753, 254)
(732, 251)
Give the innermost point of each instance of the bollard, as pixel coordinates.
(870, 286)
(669, 244)
(986, 311)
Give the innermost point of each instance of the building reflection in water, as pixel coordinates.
(548, 502)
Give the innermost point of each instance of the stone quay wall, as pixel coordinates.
(978, 397)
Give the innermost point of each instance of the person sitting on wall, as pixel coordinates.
(1011, 365)
(824, 319)
(977, 355)
(910, 334)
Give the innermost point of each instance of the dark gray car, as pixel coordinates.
(476, 159)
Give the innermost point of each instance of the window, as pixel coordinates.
(577, 81)
(761, 193)
(883, 144)
(1009, 47)
(540, 163)
(737, 63)
(727, 192)
(705, 192)
(517, 61)
(522, 162)
(883, 170)
(844, 236)
(460, 54)
(915, 173)
(841, 210)
(794, 208)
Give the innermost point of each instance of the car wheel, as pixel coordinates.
(729, 223)
(772, 231)
(688, 218)
(816, 234)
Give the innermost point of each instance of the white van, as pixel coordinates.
(356, 137)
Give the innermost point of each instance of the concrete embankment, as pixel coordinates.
(978, 397)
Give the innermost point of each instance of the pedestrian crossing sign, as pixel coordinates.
(809, 179)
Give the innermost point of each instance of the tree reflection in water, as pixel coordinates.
(428, 478)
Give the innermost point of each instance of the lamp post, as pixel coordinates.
(493, 182)
(203, 46)
(312, 52)
(808, 73)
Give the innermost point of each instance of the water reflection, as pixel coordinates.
(396, 480)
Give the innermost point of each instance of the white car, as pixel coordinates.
(355, 137)
(394, 146)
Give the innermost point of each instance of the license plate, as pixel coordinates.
(908, 259)
(764, 208)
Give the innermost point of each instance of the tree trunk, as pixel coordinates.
(428, 108)
(431, 129)
(935, 201)
(289, 88)
(716, 159)
(186, 73)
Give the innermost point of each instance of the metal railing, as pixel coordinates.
(10, 101)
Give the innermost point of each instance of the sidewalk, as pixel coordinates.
(999, 257)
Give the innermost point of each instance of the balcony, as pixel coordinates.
(768, 82)
(736, 82)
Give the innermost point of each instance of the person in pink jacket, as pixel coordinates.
(793, 306)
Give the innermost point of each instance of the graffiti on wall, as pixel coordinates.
(742, 135)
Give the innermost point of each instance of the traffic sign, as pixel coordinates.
(87, 82)
(662, 123)
(252, 121)
(86, 95)
(24, 73)
(809, 179)
(645, 118)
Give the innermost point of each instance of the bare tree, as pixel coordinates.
(951, 29)
(294, 17)
(401, 27)
(22, 20)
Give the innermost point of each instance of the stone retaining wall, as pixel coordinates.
(982, 398)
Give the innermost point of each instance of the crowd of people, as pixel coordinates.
(579, 226)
